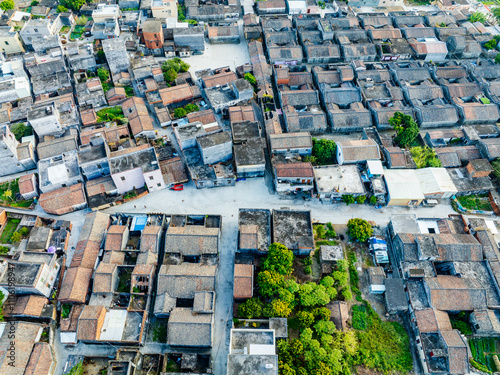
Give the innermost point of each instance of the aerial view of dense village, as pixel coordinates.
(249, 187)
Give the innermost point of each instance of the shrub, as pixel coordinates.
(103, 74)
(320, 231)
(180, 112)
(7, 5)
(359, 318)
(307, 270)
(4, 249)
(359, 229)
(250, 78)
(191, 108)
(24, 231)
(361, 199)
(373, 200)
(306, 318)
(61, 9)
(251, 308)
(348, 199)
(16, 237)
(406, 128)
(278, 259)
(324, 150)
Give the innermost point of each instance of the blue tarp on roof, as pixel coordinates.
(139, 223)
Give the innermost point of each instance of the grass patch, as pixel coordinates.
(476, 202)
(110, 114)
(10, 228)
(64, 30)
(384, 346)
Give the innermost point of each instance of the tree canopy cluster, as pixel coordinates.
(323, 151)
(172, 67)
(359, 229)
(406, 129)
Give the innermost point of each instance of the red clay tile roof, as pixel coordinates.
(294, 170)
(241, 114)
(173, 171)
(140, 124)
(28, 305)
(176, 94)
(70, 324)
(243, 281)
(40, 361)
(64, 200)
(90, 323)
(75, 285)
(220, 79)
(26, 184)
(205, 117)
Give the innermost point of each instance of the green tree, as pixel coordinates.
(82, 20)
(359, 229)
(16, 237)
(306, 318)
(180, 112)
(103, 74)
(477, 17)
(34, 3)
(191, 108)
(321, 313)
(406, 129)
(373, 200)
(101, 57)
(72, 4)
(348, 199)
(20, 130)
(324, 150)
(312, 294)
(496, 167)
(320, 231)
(497, 57)
(176, 64)
(251, 308)
(170, 75)
(324, 326)
(250, 78)
(277, 308)
(496, 13)
(490, 45)
(269, 282)
(7, 5)
(346, 293)
(24, 231)
(361, 199)
(278, 259)
(61, 9)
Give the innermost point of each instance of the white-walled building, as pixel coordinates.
(135, 167)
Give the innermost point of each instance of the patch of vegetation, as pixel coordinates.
(77, 32)
(72, 4)
(182, 112)
(77, 369)
(130, 194)
(65, 310)
(181, 12)
(460, 321)
(62, 9)
(475, 202)
(129, 91)
(323, 152)
(64, 30)
(477, 17)
(425, 157)
(9, 229)
(4, 249)
(172, 67)
(20, 130)
(160, 332)
(7, 5)
(482, 351)
(110, 114)
(359, 229)
(406, 129)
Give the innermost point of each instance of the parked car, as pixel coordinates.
(177, 187)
